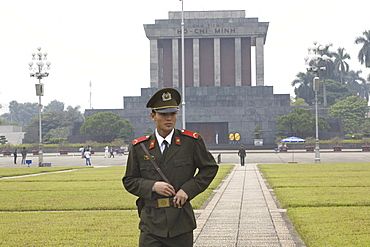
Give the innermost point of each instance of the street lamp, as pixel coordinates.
(183, 66)
(39, 73)
(312, 60)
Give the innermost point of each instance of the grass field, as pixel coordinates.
(328, 203)
(78, 207)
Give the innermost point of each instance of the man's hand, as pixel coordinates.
(180, 198)
(164, 189)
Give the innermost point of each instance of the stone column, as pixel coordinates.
(259, 62)
(217, 64)
(196, 62)
(153, 63)
(238, 62)
(175, 62)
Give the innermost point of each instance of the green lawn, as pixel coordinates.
(328, 203)
(84, 207)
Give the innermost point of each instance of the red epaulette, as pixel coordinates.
(190, 133)
(141, 139)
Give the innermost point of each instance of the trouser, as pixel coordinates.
(150, 240)
(88, 162)
(242, 160)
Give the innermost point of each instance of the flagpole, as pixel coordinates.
(183, 64)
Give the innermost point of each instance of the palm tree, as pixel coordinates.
(364, 53)
(329, 68)
(358, 84)
(340, 65)
(304, 90)
(366, 89)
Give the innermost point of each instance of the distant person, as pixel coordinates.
(88, 157)
(242, 155)
(106, 152)
(111, 152)
(15, 156)
(82, 150)
(24, 155)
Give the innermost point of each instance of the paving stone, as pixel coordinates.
(242, 216)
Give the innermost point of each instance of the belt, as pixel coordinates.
(160, 203)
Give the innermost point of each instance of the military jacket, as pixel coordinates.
(186, 154)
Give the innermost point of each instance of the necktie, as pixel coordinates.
(165, 143)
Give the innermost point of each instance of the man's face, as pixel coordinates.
(164, 122)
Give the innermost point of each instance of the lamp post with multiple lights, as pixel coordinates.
(183, 65)
(312, 60)
(39, 72)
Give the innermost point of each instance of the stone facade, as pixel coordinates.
(220, 97)
(13, 134)
(215, 110)
(217, 49)
(222, 110)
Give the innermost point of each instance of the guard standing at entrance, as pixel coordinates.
(242, 155)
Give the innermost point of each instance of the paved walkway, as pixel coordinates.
(243, 213)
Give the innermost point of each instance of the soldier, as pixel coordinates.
(242, 155)
(166, 216)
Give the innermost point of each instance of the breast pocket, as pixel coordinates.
(147, 170)
(184, 168)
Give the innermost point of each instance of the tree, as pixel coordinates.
(365, 128)
(300, 122)
(127, 132)
(21, 113)
(106, 126)
(334, 91)
(54, 105)
(257, 131)
(364, 53)
(352, 110)
(304, 90)
(55, 123)
(298, 102)
(358, 84)
(340, 65)
(3, 140)
(329, 68)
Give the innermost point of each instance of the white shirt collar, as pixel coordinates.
(160, 139)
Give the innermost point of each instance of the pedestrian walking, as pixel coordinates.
(242, 155)
(111, 152)
(88, 157)
(106, 152)
(15, 156)
(24, 155)
(82, 150)
(166, 170)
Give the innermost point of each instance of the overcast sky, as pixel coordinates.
(104, 42)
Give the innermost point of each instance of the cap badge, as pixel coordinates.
(166, 96)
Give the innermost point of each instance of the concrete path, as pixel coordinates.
(243, 213)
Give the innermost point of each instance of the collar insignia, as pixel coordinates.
(152, 144)
(177, 140)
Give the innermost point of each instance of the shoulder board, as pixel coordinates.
(141, 139)
(190, 133)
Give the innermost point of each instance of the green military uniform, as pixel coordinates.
(186, 164)
(186, 154)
